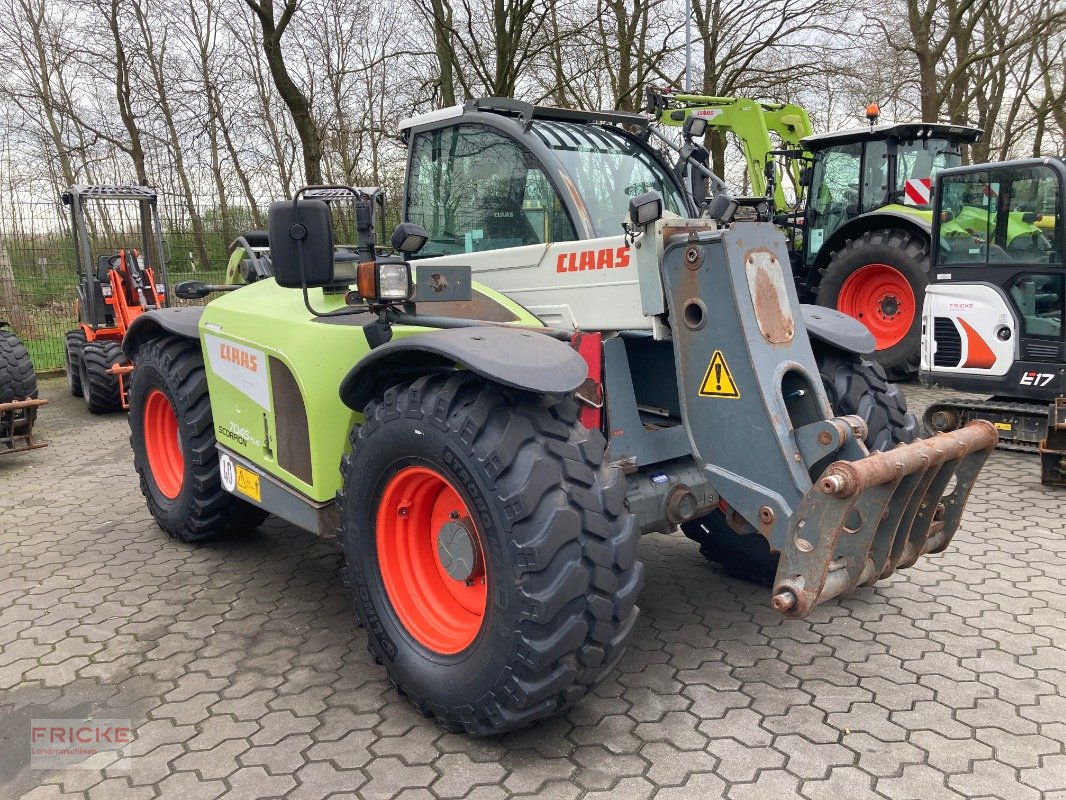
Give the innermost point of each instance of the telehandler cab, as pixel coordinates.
(994, 312)
(488, 475)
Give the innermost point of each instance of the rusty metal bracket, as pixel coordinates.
(19, 428)
(864, 519)
(1053, 446)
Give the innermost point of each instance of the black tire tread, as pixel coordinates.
(214, 511)
(75, 343)
(550, 475)
(18, 381)
(103, 394)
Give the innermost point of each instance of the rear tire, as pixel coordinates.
(906, 254)
(181, 485)
(72, 360)
(18, 381)
(560, 571)
(854, 386)
(100, 388)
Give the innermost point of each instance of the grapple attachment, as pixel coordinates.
(864, 519)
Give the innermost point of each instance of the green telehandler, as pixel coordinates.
(489, 457)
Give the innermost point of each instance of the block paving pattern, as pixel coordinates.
(244, 674)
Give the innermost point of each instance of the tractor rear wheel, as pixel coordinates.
(173, 439)
(493, 563)
(99, 387)
(75, 343)
(880, 279)
(854, 386)
(18, 381)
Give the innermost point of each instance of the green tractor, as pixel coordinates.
(488, 459)
(860, 224)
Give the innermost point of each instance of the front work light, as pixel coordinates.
(385, 282)
(645, 209)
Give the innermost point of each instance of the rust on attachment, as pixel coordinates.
(19, 427)
(769, 297)
(864, 519)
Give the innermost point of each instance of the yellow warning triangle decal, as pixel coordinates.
(718, 382)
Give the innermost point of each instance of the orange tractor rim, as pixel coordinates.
(432, 560)
(881, 298)
(162, 444)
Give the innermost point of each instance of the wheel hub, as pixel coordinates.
(889, 306)
(457, 550)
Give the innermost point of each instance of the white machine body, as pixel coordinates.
(968, 329)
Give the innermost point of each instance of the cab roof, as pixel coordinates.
(524, 113)
(898, 130)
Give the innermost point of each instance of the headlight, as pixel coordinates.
(384, 282)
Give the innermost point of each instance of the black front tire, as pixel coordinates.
(562, 575)
(854, 386)
(100, 388)
(18, 381)
(202, 509)
(906, 252)
(75, 343)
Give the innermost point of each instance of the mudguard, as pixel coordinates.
(521, 359)
(183, 321)
(837, 329)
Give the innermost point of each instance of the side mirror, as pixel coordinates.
(695, 127)
(409, 238)
(301, 243)
(645, 209)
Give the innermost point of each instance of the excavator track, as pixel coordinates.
(1021, 426)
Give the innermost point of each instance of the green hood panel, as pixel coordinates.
(274, 372)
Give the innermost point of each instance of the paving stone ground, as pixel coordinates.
(244, 675)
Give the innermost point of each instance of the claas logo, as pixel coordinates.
(242, 358)
(584, 260)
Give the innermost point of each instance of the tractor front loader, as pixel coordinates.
(113, 291)
(488, 476)
(860, 225)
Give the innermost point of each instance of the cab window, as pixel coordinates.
(473, 189)
(1001, 216)
(835, 192)
(923, 158)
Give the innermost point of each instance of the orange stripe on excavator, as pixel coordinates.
(978, 354)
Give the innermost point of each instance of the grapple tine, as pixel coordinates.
(863, 519)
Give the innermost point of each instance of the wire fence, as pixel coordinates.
(38, 280)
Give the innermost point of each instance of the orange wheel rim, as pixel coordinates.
(442, 606)
(162, 444)
(881, 298)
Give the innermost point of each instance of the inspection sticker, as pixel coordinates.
(248, 483)
(718, 382)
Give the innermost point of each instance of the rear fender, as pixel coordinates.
(519, 359)
(182, 321)
(837, 330)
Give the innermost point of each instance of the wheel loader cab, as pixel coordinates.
(994, 319)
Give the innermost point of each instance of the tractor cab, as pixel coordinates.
(880, 168)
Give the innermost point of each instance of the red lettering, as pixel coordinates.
(242, 358)
(605, 259)
(571, 265)
(588, 260)
(621, 257)
(560, 263)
